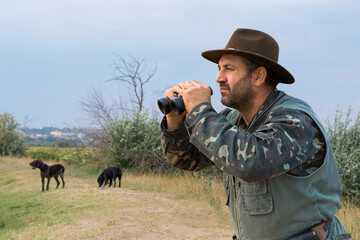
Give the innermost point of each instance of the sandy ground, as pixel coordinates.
(147, 215)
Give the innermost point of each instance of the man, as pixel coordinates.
(280, 176)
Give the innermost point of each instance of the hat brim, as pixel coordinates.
(284, 76)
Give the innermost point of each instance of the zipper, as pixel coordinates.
(235, 212)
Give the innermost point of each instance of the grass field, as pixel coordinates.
(145, 207)
(82, 210)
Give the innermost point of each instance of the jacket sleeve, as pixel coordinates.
(179, 151)
(286, 139)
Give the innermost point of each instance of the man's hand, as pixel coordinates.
(173, 120)
(194, 93)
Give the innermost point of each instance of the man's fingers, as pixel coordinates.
(183, 86)
(197, 84)
(176, 89)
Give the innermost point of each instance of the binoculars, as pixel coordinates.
(175, 104)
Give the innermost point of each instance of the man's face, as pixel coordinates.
(235, 82)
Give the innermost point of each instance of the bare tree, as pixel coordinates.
(100, 114)
(125, 135)
(134, 73)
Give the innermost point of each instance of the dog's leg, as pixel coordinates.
(106, 181)
(114, 182)
(62, 178)
(57, 181)
(110, 182)
(42, 181)
(47, 186)
(119, 181)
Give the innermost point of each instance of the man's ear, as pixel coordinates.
(259, 76)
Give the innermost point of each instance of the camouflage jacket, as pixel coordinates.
(286, 141)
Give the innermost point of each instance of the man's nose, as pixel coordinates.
(220, 77)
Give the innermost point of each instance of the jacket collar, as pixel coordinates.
(273, 97)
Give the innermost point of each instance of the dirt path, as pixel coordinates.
(146, 215)
(129, 214)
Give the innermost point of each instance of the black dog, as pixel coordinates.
(110, 174)
(48, 172)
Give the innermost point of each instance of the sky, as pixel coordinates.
(54, 52)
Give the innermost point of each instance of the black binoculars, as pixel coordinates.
(175, 104)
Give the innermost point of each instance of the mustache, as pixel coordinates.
(224, 85)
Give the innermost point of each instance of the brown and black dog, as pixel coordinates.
(48, 172)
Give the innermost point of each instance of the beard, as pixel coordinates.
(239, 96)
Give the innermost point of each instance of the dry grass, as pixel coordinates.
(187, 186)
(349, 216)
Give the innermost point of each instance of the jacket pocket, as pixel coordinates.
(256, 197)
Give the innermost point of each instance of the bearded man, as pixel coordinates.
(280, 176)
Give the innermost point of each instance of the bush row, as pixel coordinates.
(78, 156)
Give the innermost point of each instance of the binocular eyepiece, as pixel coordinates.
(176, 104)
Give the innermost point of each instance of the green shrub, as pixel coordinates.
(344, 134)
(135, 143)
(11, 143)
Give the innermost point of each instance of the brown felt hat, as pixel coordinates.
(258, 47)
